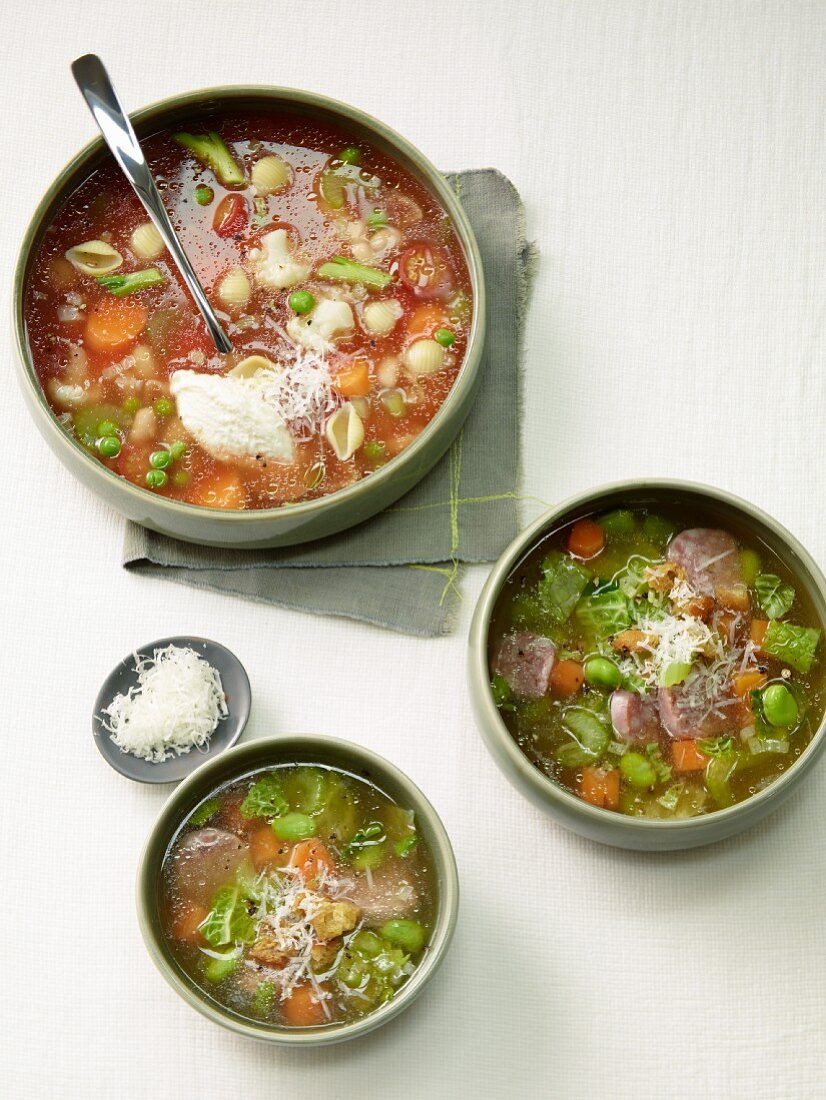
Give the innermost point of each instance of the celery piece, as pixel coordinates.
(749, 565)
(121, 285)
(204, 812)
(719, 771)
(589, 738)
(793, 645)
(212, 151)
(348, 271)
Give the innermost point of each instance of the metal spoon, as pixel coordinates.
(102, 100)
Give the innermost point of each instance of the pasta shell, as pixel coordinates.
(381, 316)
(252, 365)
(424, 357)
(234, 289)
(345, 432)
(270, 174)
(94, 258)
(146, 242)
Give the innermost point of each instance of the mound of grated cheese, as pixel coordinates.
(175, 706)
(301, 390)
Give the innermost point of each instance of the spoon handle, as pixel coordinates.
(102, 100)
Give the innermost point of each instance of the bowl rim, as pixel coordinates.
(170, 818)
(435, 181)
(544, 788)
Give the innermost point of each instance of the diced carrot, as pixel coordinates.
(567, 678)
(303, 1008)
(747, 682)
(426, 319)
(266, 848)
(586, 539)
(687, 757)
(186, 925)
(311, 857)
(600, 788)
(757, 631)
(115, 323)
(354, 379)
(223, 490)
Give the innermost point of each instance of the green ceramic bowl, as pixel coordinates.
(604, 825)
(271, 526)
(296, 749)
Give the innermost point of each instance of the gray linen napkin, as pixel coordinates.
(400, 570)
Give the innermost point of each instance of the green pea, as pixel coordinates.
(377, 219)
(638, 770)
(156, 479)
(107, 427)
(406, 934)
(131, 405)
(367, 944)
(350, 155)
(178, 450)
(159, 460)
(109, 446)
(204, 195)
(444, 337)
(779, 706)
(600, 672)
(180, 478)
(163, 407)
(293, 826)
(301, 301)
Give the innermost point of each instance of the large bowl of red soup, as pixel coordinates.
(647, 664)
(345, 274)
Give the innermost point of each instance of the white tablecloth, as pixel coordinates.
(672, 156)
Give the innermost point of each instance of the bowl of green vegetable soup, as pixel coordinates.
(647, 664)
(299, 890)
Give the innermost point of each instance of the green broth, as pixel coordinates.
(571, 738)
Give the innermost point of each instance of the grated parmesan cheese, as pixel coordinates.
(300, 391)
(175, 706)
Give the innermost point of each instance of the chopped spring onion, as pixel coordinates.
(348, 271)
(121, 285)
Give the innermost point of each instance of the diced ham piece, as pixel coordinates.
(635, 717)
(709, 558)
(388, 893)
(684, 721)
(526, 660)
(207, 860)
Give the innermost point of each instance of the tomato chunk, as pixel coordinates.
(230, 215)
(425, 269)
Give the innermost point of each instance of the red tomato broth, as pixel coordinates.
(104, 208)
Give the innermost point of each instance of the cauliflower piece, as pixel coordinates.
(330, 320)
(334, 918)
(229, 417)
(274, 264)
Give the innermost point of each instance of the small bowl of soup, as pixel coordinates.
(647, 664)
(345, 273)
(298, 889)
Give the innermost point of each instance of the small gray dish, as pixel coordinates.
(238, 695)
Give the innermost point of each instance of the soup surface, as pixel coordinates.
(656, 668)
(337, 276)
(299, 896)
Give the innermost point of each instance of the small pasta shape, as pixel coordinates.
(345, 432)
(424, 357)
(146, 242)
(94, 258)
(144, 361)
(234, 289)
(381, 315)
(384, 239)
(270, 174)
(252, 365)
(66, 395)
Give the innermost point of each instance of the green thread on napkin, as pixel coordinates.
(401, 570)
